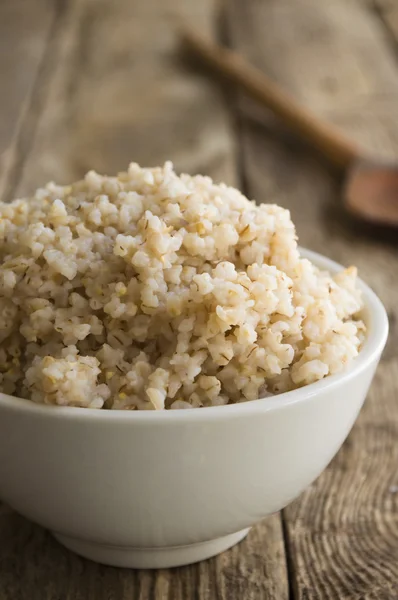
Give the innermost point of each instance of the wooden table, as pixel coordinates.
(96, 84)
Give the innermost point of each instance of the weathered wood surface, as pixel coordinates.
(95, 84)
(25, 32)
(34, 567)
(120, 92)
(388, 11)
(342, 533)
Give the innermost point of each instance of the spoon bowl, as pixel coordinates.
(371, 192)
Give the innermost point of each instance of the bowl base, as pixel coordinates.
(150, 558)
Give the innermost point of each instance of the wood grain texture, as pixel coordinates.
(25, 30)
(120, 93)
(34, 567)
(343, 532)
(115, 91)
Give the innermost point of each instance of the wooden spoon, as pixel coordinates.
(370, 189)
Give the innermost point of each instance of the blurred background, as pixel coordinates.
(97, 83)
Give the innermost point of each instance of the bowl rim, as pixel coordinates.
(370, 352)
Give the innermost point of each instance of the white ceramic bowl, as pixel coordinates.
(161, 489)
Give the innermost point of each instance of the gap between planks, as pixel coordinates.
(33, 103)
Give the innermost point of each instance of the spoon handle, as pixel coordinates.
(320, 135)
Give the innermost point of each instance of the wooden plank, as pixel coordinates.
(118, 93)
(343, 532)
(35, 567)
(25, 29)
(388, 11)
